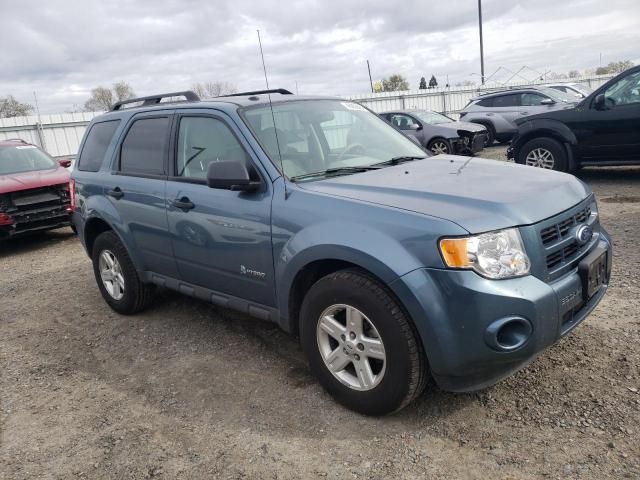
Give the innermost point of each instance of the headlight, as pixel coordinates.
(493, 255)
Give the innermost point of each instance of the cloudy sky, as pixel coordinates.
(62, 49)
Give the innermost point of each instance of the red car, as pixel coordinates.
(34, 190)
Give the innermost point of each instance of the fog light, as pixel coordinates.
(508, 334)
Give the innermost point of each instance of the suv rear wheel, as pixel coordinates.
(360, 344)
(544, 152)
(116, 276)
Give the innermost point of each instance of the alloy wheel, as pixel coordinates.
(439, 147)
(111, 274)
(351, 347)
(540, 157)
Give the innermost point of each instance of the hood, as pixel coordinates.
(14, 182)
(455, 126)
(479, 195)
(550, 113)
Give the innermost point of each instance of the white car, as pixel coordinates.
(580, 90)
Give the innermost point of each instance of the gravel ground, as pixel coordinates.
(188, 390)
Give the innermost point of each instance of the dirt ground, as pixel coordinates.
(188, 390)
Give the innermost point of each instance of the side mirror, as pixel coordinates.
(230, 175)
(64, 162)
(548, 101)
(599, 102)
(415, 127)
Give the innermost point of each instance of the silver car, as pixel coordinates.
(498, 111)
(437, 132)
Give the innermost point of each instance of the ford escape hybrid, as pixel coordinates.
(391, 265)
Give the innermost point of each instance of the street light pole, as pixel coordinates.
(481, 45)
(370, 80)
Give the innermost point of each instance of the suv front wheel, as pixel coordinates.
(544, 152)
(360, 344)
(116, 276)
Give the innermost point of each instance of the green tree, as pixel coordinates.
(103, 98)
(394, 83)
(433, 83)
(10, 107)
(423, 84)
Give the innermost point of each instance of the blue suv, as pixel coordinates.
(389, 264)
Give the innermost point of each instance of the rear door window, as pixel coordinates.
(144, 149)
(96, 144)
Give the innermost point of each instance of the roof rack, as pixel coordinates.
(281, 91)
(155, 99)
(20, 140)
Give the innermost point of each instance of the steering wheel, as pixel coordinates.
(348, 148)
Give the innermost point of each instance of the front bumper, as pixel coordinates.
(454, 309)
(470, 143)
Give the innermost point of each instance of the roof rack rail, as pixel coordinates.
(189, 96)
(16, 140)
(281, 91)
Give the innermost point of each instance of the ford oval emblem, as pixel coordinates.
(584, 233)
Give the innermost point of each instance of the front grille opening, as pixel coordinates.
(554, 259)
(549, 235)
(564, 226)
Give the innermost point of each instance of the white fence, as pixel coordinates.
(449, 100)
(58, 134)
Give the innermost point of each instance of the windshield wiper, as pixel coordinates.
(336, 171)
(397, 160)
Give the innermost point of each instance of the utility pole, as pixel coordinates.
(481, 45)
(370, 80)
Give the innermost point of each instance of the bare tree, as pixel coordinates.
(10, 107)
(213, 89)
(574, 74)
(614, 67)
(103, 98)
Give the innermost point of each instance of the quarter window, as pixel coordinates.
(143, 150)
(203, 140)
(96, 144)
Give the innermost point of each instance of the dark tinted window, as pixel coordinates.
(143, 149)
(506, 101)
(95, 146)
(487, 102)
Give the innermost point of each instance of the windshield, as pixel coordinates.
(318, 135)
(559, 96)
(432, 118)
(24, 158)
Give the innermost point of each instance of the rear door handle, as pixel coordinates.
(116, 193)
(184, 204)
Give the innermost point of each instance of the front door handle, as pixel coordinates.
(116, 193)
(184, 204)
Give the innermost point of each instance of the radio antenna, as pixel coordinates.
(273, 118)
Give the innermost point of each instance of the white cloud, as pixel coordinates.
(62, 49)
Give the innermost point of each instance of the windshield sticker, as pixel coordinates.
(22, 147)
(353, 106)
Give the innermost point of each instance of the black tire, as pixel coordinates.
(491, 135)
(405, 372)
(137, 295)
(432, 144)
(545, 144)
